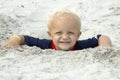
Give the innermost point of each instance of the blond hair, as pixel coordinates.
(64, 13)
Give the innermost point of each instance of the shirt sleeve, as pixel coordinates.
(42, 43)
(88, 43)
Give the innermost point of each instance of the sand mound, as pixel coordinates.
(35, 63)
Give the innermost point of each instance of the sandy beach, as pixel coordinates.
(30, 17)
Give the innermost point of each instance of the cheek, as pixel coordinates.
(55, 38)
(74, 37)
(74, 40)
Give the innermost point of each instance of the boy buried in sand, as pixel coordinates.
(64, 31)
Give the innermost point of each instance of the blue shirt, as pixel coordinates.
(47, 44)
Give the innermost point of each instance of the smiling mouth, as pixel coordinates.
(64, 42)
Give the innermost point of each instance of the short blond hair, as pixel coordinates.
(64, 13)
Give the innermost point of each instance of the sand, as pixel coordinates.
(30, 17)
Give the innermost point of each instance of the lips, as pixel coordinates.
(64, 42)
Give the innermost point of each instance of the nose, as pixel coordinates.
(65, 36)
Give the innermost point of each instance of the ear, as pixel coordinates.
(79, 34)
(49, 34)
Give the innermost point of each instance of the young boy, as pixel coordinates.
(64, 31)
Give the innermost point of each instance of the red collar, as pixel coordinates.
(53, 46)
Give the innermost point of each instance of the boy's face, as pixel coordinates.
(64, 33)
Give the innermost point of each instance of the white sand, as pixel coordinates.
(31, 17)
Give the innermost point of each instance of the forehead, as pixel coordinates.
(64, 22)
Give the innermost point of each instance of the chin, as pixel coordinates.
(65, 49)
